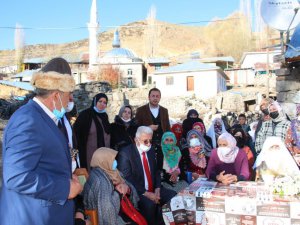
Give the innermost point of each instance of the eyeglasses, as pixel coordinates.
(147, 141)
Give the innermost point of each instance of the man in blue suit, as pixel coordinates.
(38, 185)
(138, 164)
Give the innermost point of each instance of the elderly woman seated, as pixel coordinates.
(104, 188)
(274, 161)
(227, 164)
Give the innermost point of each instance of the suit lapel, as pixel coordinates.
(55, 130)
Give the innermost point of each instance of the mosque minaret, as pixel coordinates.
(93, 27)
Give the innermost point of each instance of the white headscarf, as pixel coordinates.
(280, 161)
(252, 130)
(229, 153)
(211, 131)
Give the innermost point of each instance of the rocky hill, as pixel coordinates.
(164, 40)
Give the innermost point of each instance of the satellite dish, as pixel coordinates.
(279, 14)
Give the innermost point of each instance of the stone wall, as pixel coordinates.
(288, 88)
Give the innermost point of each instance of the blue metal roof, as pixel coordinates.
(157, 60)
(25, 73)
(36, 60)
(294, 45)
(186, 67)
(23, 85)
(119, 52)
(218, 59)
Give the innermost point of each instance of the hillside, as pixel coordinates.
(229, 37)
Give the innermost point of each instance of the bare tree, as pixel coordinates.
(152, 33)
(20, 46)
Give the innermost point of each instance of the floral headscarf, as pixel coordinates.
(171, 152)
(207, 147)
(295, 127)
(211, 131)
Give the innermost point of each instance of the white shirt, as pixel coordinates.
(154, 111)
(145, 176)
(46, 110)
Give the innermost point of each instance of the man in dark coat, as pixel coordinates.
(157, 118)
(138, 165)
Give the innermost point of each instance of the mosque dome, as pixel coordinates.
(117, 51)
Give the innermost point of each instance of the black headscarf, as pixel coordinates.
(187, 124)
(240, 141)
(103, 116)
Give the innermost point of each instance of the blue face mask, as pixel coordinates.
(59, 114)
(114, 165)
(99, 111)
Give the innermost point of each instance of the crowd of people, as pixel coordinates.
(140, 155)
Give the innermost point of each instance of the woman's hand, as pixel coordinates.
(227, 178)
(122, 188)
(174, 176)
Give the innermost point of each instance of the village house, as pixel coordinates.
(190, 78)
(252, 64)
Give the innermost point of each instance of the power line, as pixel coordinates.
(113, 26)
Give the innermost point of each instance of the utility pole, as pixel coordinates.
(267, 66)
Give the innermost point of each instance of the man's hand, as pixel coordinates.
(122, 188)
(157, 194)
(75, 187)
(153, 127)
(152, 197)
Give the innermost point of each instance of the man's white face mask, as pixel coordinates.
(70, 106)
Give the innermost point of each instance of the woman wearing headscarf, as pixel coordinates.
(241, 142)
(275, 160)
(202, 130)
(123, 129)
(191, 118)
(278, 126)
(196, 154)
(173, 174)
(92, 129)
(227, 164)
(105, 186)
(216, 128)
(177, 130)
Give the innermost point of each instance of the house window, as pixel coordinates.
(169, 80)
(129, 72)
(157, 66)
(129, 82)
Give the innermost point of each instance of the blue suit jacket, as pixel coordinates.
(130, 164)
(36, 171)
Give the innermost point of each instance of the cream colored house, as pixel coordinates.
(190, 78)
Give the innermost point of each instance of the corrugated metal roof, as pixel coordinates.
(157, 60)
(25, 73)
(294, 45)
(23, 85)
(36, 60)
(188, 66)
(217, 59)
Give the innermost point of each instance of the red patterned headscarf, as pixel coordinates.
(202, 127)
(177, 130)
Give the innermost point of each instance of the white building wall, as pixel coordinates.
(252, 58)
(206, 84)
(137, 72)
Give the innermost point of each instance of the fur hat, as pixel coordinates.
(55, 75)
